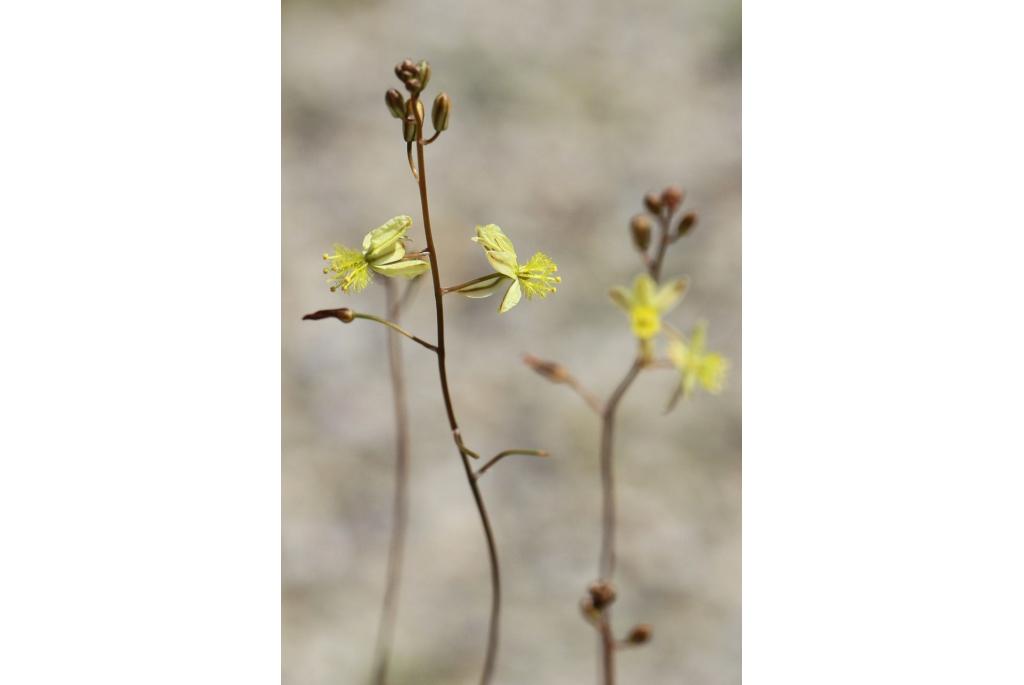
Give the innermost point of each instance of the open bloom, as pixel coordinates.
(383, 251)
(647, 302)
(696, 366)
(535, 278)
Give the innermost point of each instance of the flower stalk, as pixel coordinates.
(645, 304)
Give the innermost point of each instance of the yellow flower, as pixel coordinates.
(383, 251)
(647, 302)
(535, 278)
(697, 367)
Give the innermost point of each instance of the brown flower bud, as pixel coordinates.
(686, 223)
(640, 634)
(413, 85)
(653, 203)
(345, 315)
(395, 103)
(441, 111)
(553, 371)
(671, 197)
(407, 65)
(640, 225)
(602, 593)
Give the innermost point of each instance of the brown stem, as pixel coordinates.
(606, 567)
(389, 609)
(607, 648)
(654, 266)
(435, 273)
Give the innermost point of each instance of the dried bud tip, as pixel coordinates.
(671, 197)
(441, 111)
(686, 223)
(553, 371)
(640, 226)
(640, 634)
(395, 103)
(602, 593)
(653, 203)
(345, 315)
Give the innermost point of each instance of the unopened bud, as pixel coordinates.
(424, 71)
(442, 109)
(653, 203)
(688, 221)
(407, 65)
(602, 593)
(345, 315)
(640, 226)
(671, 197)
(640, 634)
(553, 371)
(413, 85)
(395, 103)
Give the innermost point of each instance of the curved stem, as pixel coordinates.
(501, 455)
(395, 327)
(435, 273)
(389, 608)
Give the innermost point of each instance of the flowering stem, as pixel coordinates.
(435, 273)
(389, 608)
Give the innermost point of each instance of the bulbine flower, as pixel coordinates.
(383, 251)
(647, 302)
(535, 278)
(696, 366)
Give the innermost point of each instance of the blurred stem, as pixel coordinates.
(606, 568)
(435, 274)
(389, 609)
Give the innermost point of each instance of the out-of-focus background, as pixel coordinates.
(563, 115)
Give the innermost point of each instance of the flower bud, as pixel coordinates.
(653, 203)
(413, 85)
(442, 109)
(407, 66)
(419, 109)
(602, 593)
(640, 634)
(640, 226)
(395, 103)
(686, 223)
(671, 197)
(424, 71)
(553, 371)
(409, 130)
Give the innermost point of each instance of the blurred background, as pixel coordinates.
(563, 115)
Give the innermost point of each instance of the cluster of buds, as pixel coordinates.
(663, 207)
(415, 77)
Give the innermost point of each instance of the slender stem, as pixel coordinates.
(389, 609)
(607, 648)
(435, 273)
(655, 265)
(395, 327)
(501, 455)
(480, 279)
(606, 568)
